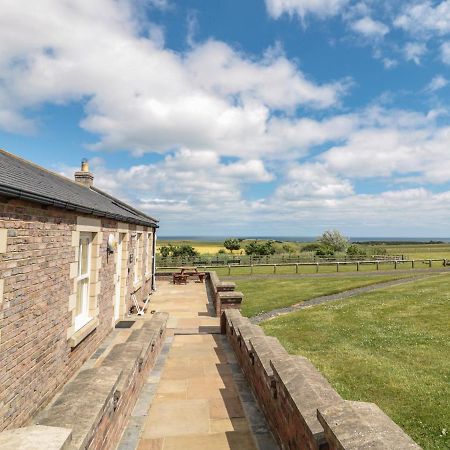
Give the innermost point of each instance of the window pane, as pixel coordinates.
(84, 255)
(82, 297)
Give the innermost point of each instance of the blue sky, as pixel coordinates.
(262, 117)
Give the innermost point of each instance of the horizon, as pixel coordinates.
(240, 117)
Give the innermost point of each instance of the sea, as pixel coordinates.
(304, 238)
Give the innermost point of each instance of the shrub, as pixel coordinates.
(356, 250)
(325, 250)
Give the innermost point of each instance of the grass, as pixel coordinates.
(391, 347)
(262, 295)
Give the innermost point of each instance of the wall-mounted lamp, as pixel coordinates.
(110, 246)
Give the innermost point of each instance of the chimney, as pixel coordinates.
(84, 177)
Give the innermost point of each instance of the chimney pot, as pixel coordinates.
(84, 177)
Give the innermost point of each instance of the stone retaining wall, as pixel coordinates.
(224, 294)
(302, 409)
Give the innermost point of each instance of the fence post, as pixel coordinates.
(378, 265)
(317, 267)
(229, 270)
(357, 266)
(274, 268)
(412, 264)
(296, 268)
(429, 263)
(337, 267)
(395, 264)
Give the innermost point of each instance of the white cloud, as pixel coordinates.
(389, 63)
(301, 8)
(369, 27)
(414, 51)
(438, 82)
(425, 18)
(312, 180)
(445, 52)
(397, 154)
(139, 95)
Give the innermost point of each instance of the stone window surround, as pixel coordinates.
(94, 226)
(122, 228)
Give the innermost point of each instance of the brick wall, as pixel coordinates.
(35, 276)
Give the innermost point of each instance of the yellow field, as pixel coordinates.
(204, 248)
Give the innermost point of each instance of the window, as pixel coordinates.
(148, 261)
(138, 259)
(83, 279)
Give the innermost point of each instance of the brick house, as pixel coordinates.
(71, 256)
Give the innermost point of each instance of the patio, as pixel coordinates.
(196, 397)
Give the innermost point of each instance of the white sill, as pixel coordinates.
(83, 332)
(81, 321)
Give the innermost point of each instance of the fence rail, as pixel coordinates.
(337, 264)
(245, 260)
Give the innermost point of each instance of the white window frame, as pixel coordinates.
(138, 259)
(83, 318)
(148, 259)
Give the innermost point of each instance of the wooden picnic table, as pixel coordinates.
(189, 272)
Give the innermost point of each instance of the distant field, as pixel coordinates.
(262, 295)
(417, 251)
(204, 248)
(390, 347)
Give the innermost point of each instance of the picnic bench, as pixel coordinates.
(179, 278)
(182, 276)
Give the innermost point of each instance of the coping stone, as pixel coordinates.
(83, 403)
(307, 387)
(353, 425)
(266, 348)
(36, 437)
(249, 331)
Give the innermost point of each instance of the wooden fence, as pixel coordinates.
(338, 265)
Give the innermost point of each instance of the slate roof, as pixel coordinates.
(22, 179)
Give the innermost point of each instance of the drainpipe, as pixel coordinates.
(154, 261)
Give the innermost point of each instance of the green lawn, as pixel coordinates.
(265, 294)
(391, 347)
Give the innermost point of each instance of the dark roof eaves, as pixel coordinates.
(38, 198)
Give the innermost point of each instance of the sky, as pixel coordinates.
(240, 118)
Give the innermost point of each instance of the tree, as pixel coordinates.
(184, 250)
(177, 251)
(335, 240)
(232, 244)
(260, 248)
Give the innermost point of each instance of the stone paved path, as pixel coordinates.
(196, 398)
(333, 297)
